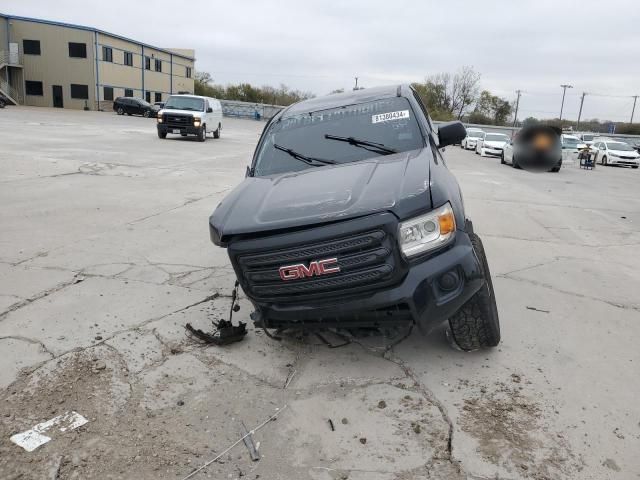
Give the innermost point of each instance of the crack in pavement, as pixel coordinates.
(184, 204)
(32, 341)
(45, 293)
(565, 292)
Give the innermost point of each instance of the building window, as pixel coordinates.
(158, 97)
(158, 65)
(33, 88)
(107, 54)
(147, 63)
(31, 47)
(147, 96)
(80, 91)
(128, 58)
(128, 92)
(77, 50)
(188, 72)
(108, 93)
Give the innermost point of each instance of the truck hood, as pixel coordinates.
(180, 112)
(398, 183)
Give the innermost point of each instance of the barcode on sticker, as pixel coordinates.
(387, 117)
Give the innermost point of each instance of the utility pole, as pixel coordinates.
(356, 87)
(635, 99)
(515, 117)
(580, 112)
(564, 91)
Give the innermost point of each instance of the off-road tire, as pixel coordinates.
(476, 325)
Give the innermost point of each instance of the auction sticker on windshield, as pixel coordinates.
(387, 117)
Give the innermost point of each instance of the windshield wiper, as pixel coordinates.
(367, 145)
(316, 162)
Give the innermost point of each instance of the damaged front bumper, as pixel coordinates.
(429, 292)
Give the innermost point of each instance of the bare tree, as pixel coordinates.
(464, 89)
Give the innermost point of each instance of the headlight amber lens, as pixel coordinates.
(427, 232)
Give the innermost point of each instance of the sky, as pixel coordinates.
(319, 46)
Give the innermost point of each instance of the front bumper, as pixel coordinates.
(629, 162)
(189, 129)
(492, 151)
(418, 297)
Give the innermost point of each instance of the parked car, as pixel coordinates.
(318, 239)
(586, 138)
(134, 106)
(538, 144)
(190, 115)
(611, 152)
(473, 135)
(572, 142)
(491, 144)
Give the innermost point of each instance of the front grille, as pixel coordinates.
(177, 120)
(365, 259)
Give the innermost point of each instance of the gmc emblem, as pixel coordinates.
(317, 267)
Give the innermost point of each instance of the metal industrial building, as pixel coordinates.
(52, 64)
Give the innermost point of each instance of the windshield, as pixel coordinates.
(339, 135)
(587, 138)
(623, 147)
(496, 137)
(475, 134)
(185, 103)
(143, 103)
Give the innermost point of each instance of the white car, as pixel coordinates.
(190, 115)
(572, 142)
(586, 138)
(473, 135)
(611, 152)
(492, 144)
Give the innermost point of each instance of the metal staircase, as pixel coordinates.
(9, 60)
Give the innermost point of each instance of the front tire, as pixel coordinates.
(202, 133)
(162, 135)
(476, 325)
(502, 162)
(120, 111)
(216, 132)
(146, 114)
(604, 161)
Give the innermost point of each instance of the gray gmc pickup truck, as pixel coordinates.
(349, 217)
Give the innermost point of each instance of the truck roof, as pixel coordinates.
(347, 98)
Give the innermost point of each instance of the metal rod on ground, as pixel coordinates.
(580, 112)
(515, 117)
(564, 91)
(635, 99)
(241, 439)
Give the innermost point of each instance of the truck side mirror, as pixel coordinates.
(451, 133)
(209, 110)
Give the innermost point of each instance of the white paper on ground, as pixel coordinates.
(33, 438)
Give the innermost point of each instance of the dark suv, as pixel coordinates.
(134, 106)
(349, 217)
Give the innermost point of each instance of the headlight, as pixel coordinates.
(159, 118)
(196, 121)
(426, 232)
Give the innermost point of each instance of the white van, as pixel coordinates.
(190, 115)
